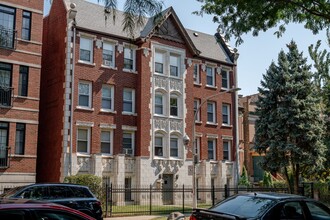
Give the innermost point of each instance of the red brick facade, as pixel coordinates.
(23, 109)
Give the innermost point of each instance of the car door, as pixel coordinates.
(62, 195)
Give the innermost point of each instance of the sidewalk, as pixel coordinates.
(143, 217)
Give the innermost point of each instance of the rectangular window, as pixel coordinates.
(225, 79)
(128, 100)
(226, 150)
(26, 25)
(159, 62)
(159, 104)
(173, 106)
(86, 49)
(4, 133)
(225, 114)
(108, 54)
(128, 140)
(106, 142)
(20, 139)
(210, 76)
(84, 99)
(174, 150)
(83, 140)
(5, 84)
(211, 149)
(174, 65)
(107, 97)
(159, 146)
(196, 74)
(211, 112)
(23, 81)
(7, 26)
(196, 105)
(129, 58)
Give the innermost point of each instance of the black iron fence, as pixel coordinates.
(122, 201)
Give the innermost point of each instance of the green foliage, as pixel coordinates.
(93, 182)
(289, 128)
(135, 12)
(236, 18)
(267, 180)
(244, 180)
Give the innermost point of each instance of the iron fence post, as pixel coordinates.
(183, 198)
(226, 191)
(106, 199)
(150, 201)
(111, 199)
(213, 195)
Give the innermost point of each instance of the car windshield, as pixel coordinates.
(11, 192)
(247, 206)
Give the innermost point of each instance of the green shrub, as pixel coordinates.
(93, 182)
(244, 180)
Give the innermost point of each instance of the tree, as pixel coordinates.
(238, 17)
(135, 12)
(244, 180)
(322, 81)
(289, 130)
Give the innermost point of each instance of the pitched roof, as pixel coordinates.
(91, 16)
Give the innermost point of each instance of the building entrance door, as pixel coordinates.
(168, 189)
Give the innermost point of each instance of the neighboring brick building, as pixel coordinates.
(247, 139)
(119, 107)
(20, 68)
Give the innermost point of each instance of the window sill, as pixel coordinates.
(86, 63)
(175, 117)
(212, 123)
(198, 84)
(108, 111)
(22, 156)
(211, 87)
(85, 108)
(198, 122)
(129, 113)
(109, 67)
(81, 154)
(130, 71)
(226, 126)
(224, 89)
(107, 156)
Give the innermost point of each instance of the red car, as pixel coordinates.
(22, 209)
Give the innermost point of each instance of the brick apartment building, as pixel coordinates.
(20, 67)
(120, 108)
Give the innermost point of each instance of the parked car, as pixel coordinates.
(264, 206)
(71, 195)
(19, 209)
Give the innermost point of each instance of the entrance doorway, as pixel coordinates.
(168, 189)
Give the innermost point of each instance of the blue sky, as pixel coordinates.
(256, 53)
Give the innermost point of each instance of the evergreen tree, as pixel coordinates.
(289, 129)
(244, 180)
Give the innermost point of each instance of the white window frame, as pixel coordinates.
(132, 134)
(227, 150)
(226, 72)
(196, 74)
(198, 116)
(88, 129)
(106, 46)
(132, 48)
(159, 135)
(212, 76)
(89, 106)
(227, 106)
(162, 106)
(110, 132)
(132, 91)
(214, 143)
(176, 148)
(89, 47)
(159, 58)
(176, 63)
(111, 98)
(213, 112)
(177, 106)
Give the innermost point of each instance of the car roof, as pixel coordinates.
(273, 195)
(55, 184)
(17, 203)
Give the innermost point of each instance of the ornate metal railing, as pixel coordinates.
(7, 38)
(6, 96)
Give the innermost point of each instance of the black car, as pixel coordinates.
(264, 206)
(71, 195)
